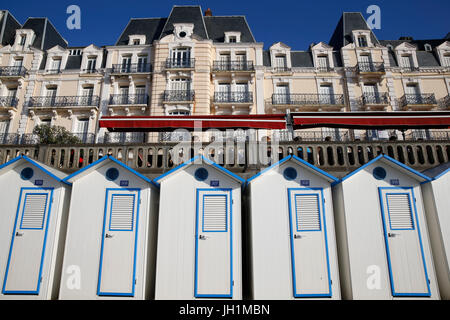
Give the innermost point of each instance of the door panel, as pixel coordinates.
(27, 251)
(309, 248)
(117, 272)
(213, 263)
(406, 261)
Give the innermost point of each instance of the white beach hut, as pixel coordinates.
(111, 233)
(33, 216)
(436, 196)
(290, 227)
(199, 232)
(383, 243)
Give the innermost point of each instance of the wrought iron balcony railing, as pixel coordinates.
(307, 99)
(64, 101)
(180, 63)
(131, 68)
(233, 66)
(124, 137)
(325, 69)
(233, 97)
(417, 99)
(53, 71)
(8, 101)
(444, 103)
(374, 98)
(370, 67)
(89, 71)
(178, 95)
(84, 137)
(12, 71)
(9, 138)
(128, 99)
(282, 69)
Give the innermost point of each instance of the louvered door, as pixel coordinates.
(27, 250)
(408, 274)
(308, 237)
(213, 265)
(118, 252)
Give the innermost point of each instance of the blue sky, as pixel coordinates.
(294, 22)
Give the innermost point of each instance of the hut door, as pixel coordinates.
(27, 250)
(406, 261)
(309, 249)
(118, 252)
(213, 264)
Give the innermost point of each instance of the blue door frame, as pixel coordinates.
(228, 192)
(45, 227)
(323, 222)
(137, 206)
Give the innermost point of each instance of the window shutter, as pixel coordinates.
(122, 208)
(400, 213)
(214, 213)
(34, 211)
(307, 208)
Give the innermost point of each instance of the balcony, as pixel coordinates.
(173, 96)
(9, 138)
(444, 103)
(131, 68)
(371, 68)
(180, 64)
(8, 102)
(128, 99)
(12, 72)
(309, 101)
(424, 101)
(89, 72)
(233, 66)
(64, 102)
(245, 97)
(281, 70)
(124, 137)
(374, 101)
(84, 137)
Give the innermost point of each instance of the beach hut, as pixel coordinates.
(199, 232)
(290, 232)
(437, 207)
(111, 233)
(383, 244)
(33, 216)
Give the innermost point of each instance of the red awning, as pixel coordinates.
(169, 123)
(373, 120)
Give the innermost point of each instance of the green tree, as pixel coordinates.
(54, 135)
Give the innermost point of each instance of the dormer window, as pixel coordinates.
(280, 62)
(75, 52)
(406, 61)
(23, 39)
(91, 64)
(56, 65)
(136, 42)
(362, 41)
(232, 37)
(428, 47)
(323, 62)
(136, 39)
(446, 60)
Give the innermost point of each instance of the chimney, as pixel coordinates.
(208, 13)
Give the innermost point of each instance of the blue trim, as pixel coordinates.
(23, 211)
(417, 173)
(123, 294)
(230, 203)
(207, 161)
(36, 164)
(391, 277)
(441, 174)
(123, 165)
(410, 211)
(226, 211)
(110, 212)
(312, 167)
(294, 284)
(296, 212)
(30, 292)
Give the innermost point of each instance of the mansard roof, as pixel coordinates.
(8, 27)
(218, 25)
(46, 34)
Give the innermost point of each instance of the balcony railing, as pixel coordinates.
(364, 67)
(131, 68)
(233, 66)
(178, 95)
(124, 137)
(9, 138)
(12, 71)
(281, 69)
(307, 99)
(64, 101)
(8, 101)
(375, 98)
(417, 99)
(90, 71)
(84, 137)
(180, 63)
(233, 97)
(409, 69)
(127, 99)
(444, 103)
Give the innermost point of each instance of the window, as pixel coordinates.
(23, 38)
(136, 42)
(280, 62)
(390, 47)
(18, 62)
(46, 122)
(180, 84)
(141, 97)
(362, 41)
(406, 61)
(179, 113)
(446, 60)
(232, 39)
(126, 63)
(281, 94)
(142, 64)
(56, 65)
(181, 57)
(75, 52)
(428, 47)
(87, 94)
(4, 124)
(326, 94)
(91, 64)
(322, 62)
